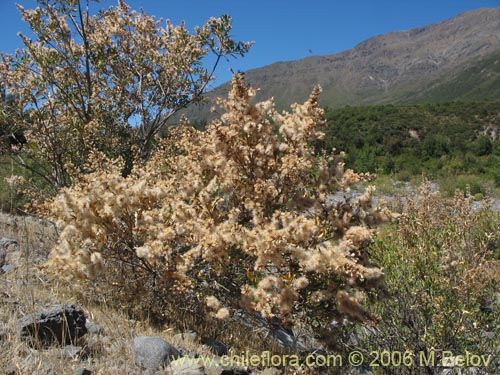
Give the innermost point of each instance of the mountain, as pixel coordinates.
(478, 80)
(454, 59)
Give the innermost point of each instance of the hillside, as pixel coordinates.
(478, 81)
(442, 141)
(431, 63)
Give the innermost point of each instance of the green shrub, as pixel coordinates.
(442, 265)
(478, 197)
(465, 183)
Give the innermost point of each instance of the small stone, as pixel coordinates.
(81, 371)
(3, 255)
(93, 328)
(215, 346)
(235, 371)
(7, 242)
(488, 306)
(216, 367)
(72, 351)
(490, 335)
(153, 352)
(63, 324)
(8, 267)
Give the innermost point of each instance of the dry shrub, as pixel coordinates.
(86, 74)
(238, 213)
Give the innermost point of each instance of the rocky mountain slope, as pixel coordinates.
(403, 66)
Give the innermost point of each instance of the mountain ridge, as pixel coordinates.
(383, 69)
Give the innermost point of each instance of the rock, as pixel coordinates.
(186, 366)
(8, 267)
(235, 371)
(339, 198)
(215, 346)
(3, 335)
(216, 367)
(153, 352)
(63, 324)
(3, 255)
(273, 328)
(488, 306)
(5, 243)
(81, 371)
(93, 328)
(73, 352)
(490, 335)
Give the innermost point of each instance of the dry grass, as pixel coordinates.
(432, 226)
(27, 290)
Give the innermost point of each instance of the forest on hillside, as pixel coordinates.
(438, 140)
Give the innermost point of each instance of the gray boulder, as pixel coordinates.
(151, 352)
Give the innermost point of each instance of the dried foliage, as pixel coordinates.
(239, 213)
(105, 80)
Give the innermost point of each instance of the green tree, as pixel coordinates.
(482, 145)
(10, 133)
(435, 146)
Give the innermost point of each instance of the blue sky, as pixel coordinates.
(282, 29)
